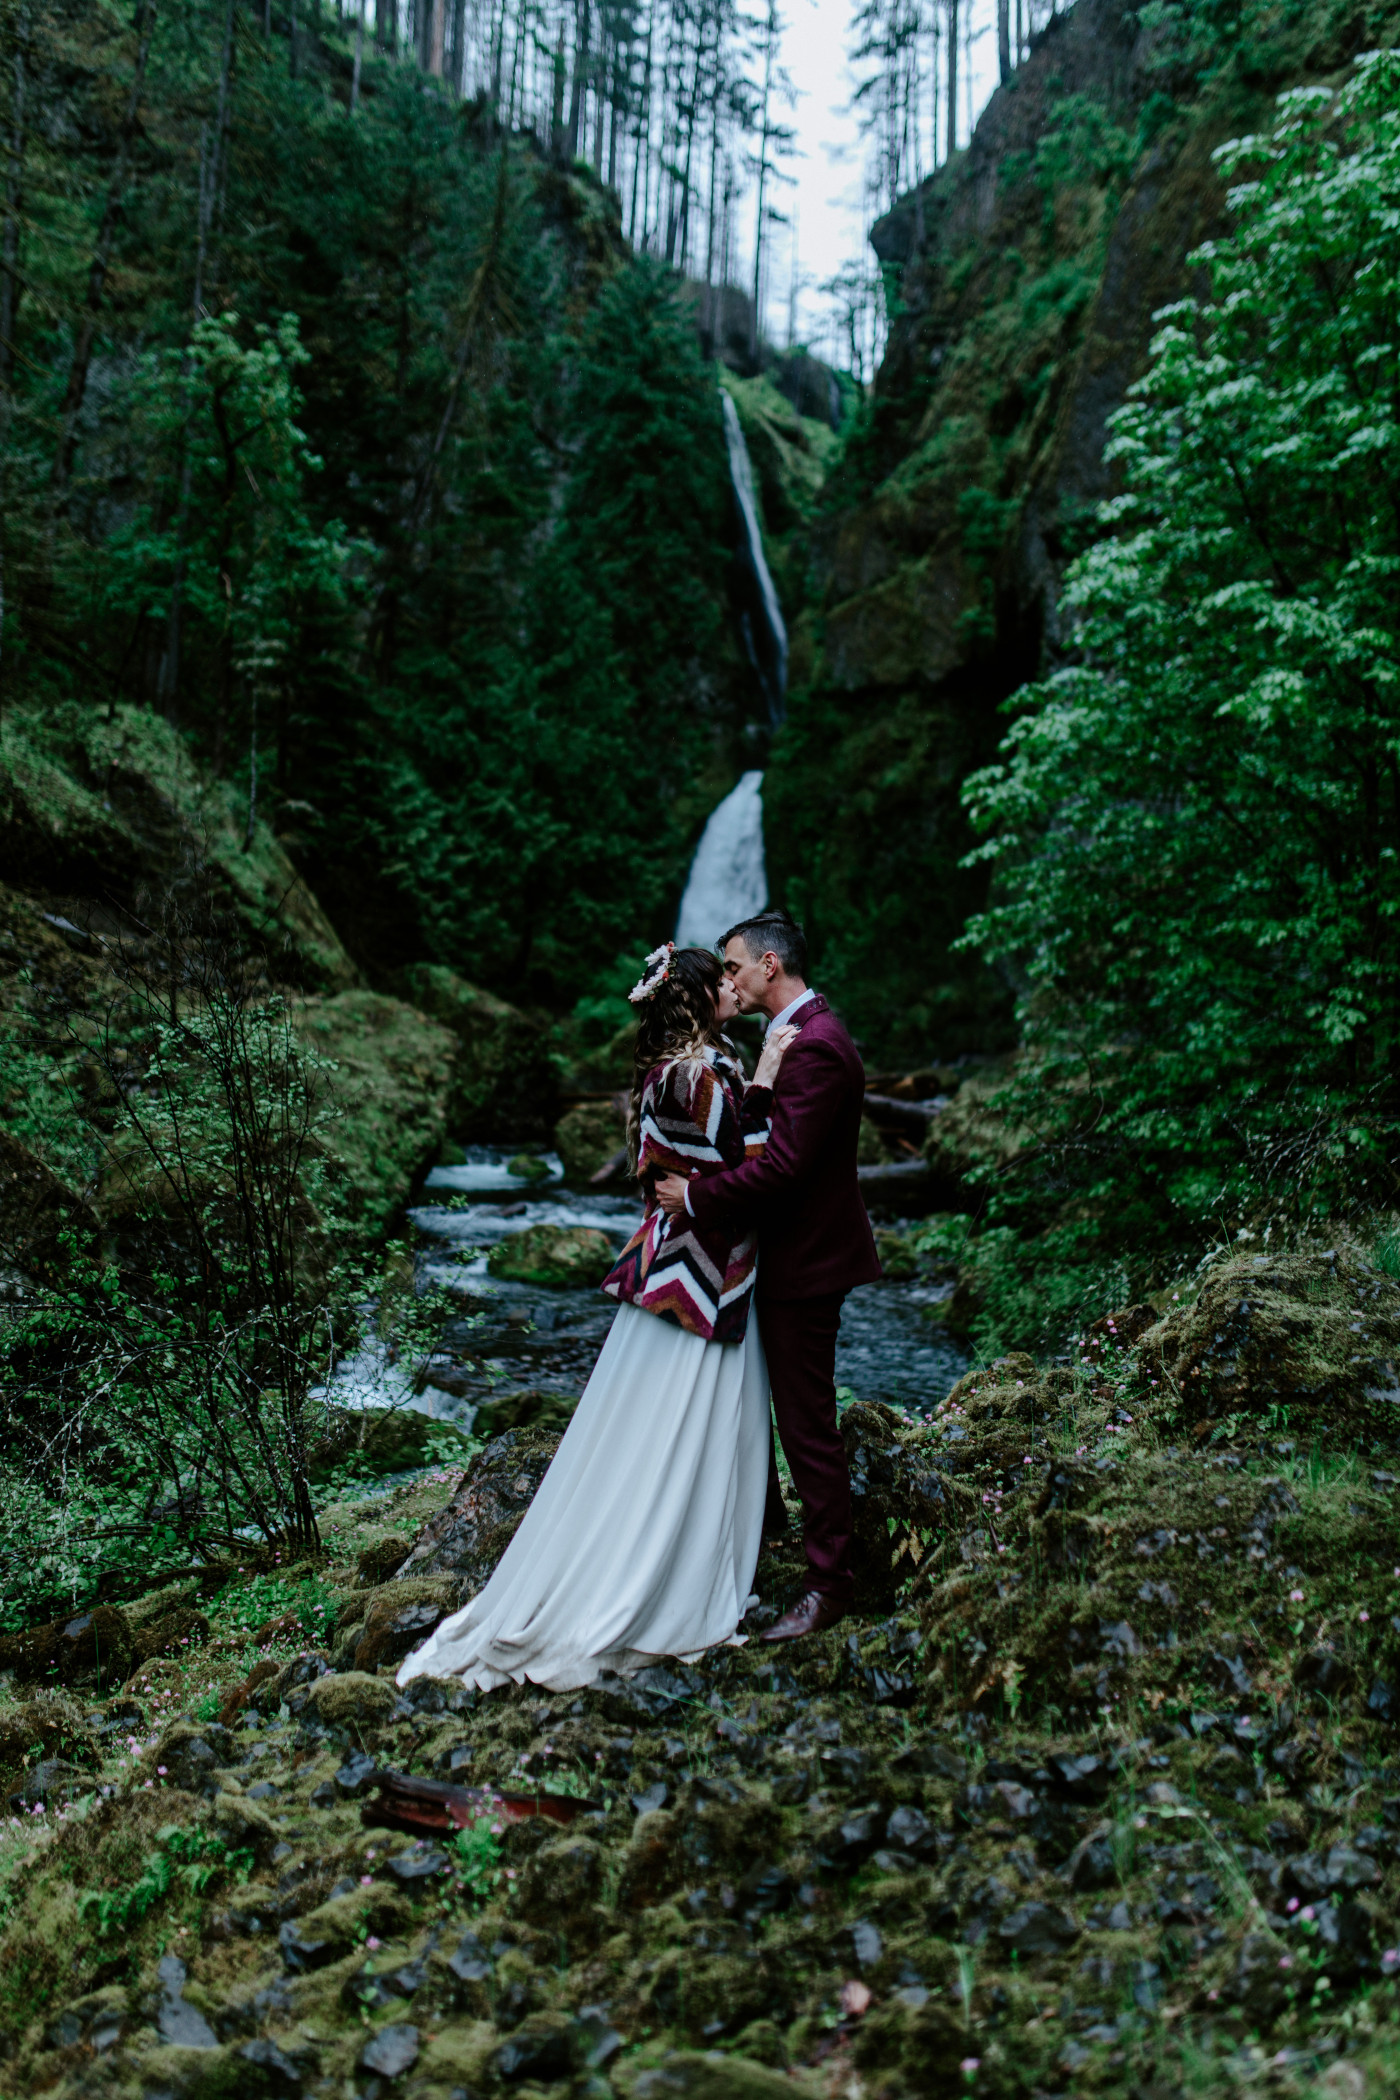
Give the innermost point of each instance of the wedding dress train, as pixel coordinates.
(643, 1538)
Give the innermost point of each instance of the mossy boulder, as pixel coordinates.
(589, 1136)
(392, 1082)
(556, 1257)
(350, 1698)
(400, 1618)
(376, 1441)
(95, 1647)
(468, 1537)
(533, 1407)
(503, 1082)
(1310, 1338)
(111, 801)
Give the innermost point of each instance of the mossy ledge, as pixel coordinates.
(1098, 1793)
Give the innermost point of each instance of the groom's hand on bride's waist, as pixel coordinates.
(670, 1194)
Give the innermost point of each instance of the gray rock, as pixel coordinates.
(392, 2051)
(180, 2024)
(418, 1864)
(1038, 1929)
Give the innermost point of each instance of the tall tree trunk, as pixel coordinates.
(583, 22)
(952, 78)
(358, 66)
(14, 198)
(458, 67)
(437, 31)
(211, 177)
(71, 406)
(1004, 38)
(769, 41)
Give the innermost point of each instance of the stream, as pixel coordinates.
(511, 1337)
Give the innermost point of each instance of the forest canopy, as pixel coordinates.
(341, 426)
(1194, 830)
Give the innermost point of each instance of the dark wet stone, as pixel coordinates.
(932, 1761)
(325, 1795)
(542, 2049)
(1086, 1778)
(304, 1949)
(182, 2025)
(266, 2055)
(1381, 1701)
(847, 1766)
(1322, 1670)
(867, 1943)
(391, 2052)
(356, 1774)
(1091, 1864)
(1036, 1928)
(417, 1865)
(655, 1796)
(470, 1961)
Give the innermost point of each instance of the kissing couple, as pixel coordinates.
(643, 1538)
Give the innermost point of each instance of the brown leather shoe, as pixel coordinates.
(811, 1614)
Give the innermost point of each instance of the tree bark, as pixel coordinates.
(437, 30)
(580, 68)
(76, 388)
(1004, 39)
(952, 78)
(14, 198)
(210, 186)
(358, 66)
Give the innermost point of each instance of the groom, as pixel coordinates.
(814, 1242)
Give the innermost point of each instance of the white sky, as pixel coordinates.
(829, 196)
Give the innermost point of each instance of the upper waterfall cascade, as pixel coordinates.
(774, 645)
(728, 879)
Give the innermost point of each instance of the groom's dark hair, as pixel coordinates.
(777, 931)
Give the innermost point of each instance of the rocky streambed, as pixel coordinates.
(517, 1337)
(1098, 1791)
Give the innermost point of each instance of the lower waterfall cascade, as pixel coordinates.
(728, 878)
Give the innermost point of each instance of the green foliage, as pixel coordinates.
(478, 1850)
(416, 528)
(191, 1859)
(1193, 830)
(240, 1608)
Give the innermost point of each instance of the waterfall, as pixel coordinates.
(728, 880)
(770, 648)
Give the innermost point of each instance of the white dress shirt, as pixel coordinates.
(778, 1021)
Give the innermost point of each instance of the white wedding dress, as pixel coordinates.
(643, 1538)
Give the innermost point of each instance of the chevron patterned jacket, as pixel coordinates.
(697, 1117)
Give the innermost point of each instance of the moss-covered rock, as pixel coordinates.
(400, 1617)
(556, 1257)
(350, 1698)
(392, 1083)
(1310, 1340)
(591, 1134)
(110, 802)
(503, 1082)
(374, 1441)
(93, 1647)
(468, 1537)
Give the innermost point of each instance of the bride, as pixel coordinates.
(644, 1535)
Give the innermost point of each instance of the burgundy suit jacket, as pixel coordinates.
(814, 1236)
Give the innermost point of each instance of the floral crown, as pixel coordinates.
(655, 971)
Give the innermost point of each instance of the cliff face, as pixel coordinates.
(1026, 276)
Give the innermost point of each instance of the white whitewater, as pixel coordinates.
(728, 879)
(741, 474)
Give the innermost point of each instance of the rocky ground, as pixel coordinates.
(1099, 1792)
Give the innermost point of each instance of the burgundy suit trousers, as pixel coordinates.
(799, 1341)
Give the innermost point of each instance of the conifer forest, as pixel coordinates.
(460, 528)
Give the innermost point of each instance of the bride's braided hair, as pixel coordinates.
(676, 1021)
